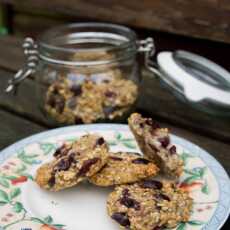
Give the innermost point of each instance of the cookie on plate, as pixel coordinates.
(155, 145)
(149, 205)
(73, 163)
(122, 168)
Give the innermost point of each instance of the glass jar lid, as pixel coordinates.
(196, 79)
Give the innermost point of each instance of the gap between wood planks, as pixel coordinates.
(14, 128)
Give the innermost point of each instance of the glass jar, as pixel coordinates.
(89, 72)
(86, 72)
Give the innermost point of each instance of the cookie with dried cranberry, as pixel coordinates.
(149, 205)
(60, 100)
(73, 163)
(123, 168)
(156, 145)
(91, 99)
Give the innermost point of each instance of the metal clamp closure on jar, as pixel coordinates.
(31, 53)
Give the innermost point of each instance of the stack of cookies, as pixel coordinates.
(138, 202)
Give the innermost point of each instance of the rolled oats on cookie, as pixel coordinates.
(149, 205)
(73, 163)
(156, 145)
(122, 168)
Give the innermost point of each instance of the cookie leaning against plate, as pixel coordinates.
(123, 168)
(155, 145)
(73, 163)
(149, 205)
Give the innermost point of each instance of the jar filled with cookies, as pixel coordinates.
(85, 72)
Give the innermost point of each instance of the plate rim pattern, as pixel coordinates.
(223, 208)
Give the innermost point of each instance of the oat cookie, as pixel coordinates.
(123, 168)
(73, 163)
(155, 144)
(89, 100)
(149, 205)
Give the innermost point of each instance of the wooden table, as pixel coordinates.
(20, 116)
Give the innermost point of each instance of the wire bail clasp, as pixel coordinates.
(147, 47)
(31, 53)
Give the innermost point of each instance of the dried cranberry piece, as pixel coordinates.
(78, 120)
(164, 141)
(71, 158)
(86, 166)
(51, 101)
(60, 103)
(158, 208)
(140, 161)
(150, 122)
(63, 165)
(130, 203)
(155, 125)
(125, 192)
(71, 103)
(121, 218)
(58, 151)
(110, 94)
(76, 89)
(108, 110)
(116, 158)
(154, 184)
(100, 141)
(51, 181)
(157, 228)
(141, 125)
(162, 197)
(55, 90)
(61, 151)
(172, 150)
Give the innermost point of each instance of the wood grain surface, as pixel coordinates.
(208, 19)
(14, 128)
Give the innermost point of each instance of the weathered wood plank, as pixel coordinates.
(207, 20)
(32, 25)
(24, 103)
(11, 56)
(14, 128)
(225, 4)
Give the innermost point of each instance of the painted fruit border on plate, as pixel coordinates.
(194, 177)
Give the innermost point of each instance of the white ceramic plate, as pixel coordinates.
(23, 205)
